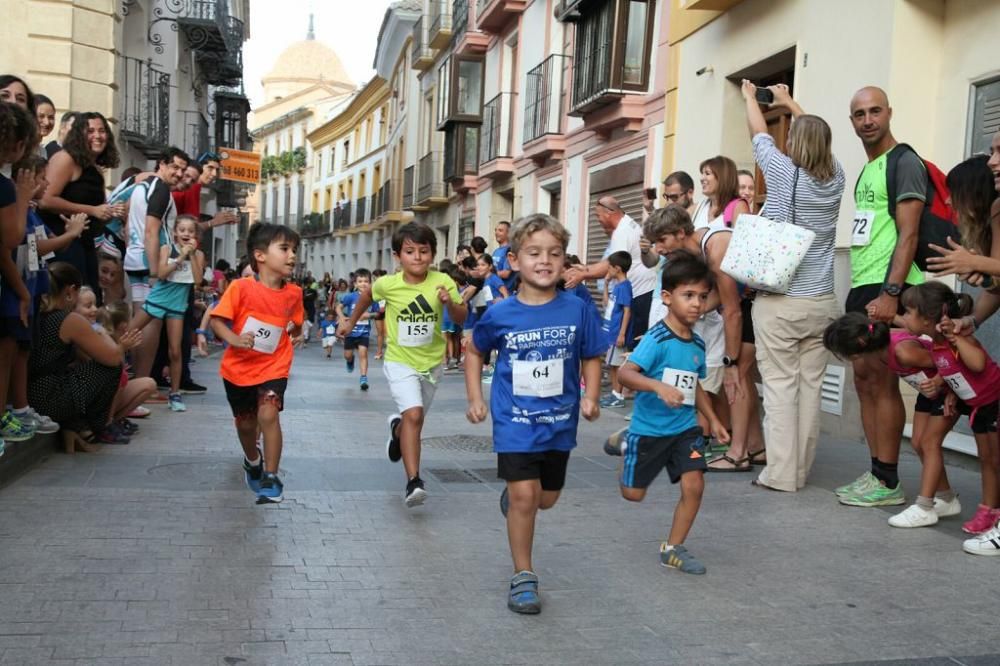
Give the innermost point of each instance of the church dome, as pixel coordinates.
(307, 61)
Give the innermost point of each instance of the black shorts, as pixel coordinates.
(746, 308)
(985, 419)
(639, 318)
(11, 327)
(354, 343)
(645, 457)
(244, 400)
(858, 298)
(549, 467)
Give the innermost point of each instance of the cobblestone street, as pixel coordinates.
(155, 553)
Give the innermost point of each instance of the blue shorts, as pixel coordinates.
(167, 300)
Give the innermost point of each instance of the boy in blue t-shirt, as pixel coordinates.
(328, 331)
(542, 337)
(617, 323)
(665, 368)
(358, 337)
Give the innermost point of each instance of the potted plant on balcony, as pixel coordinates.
(299, 159)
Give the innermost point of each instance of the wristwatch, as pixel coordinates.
(730, 361)
(892, 288)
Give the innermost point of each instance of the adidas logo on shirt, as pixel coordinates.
(418, 310)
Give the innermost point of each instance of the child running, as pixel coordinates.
(909, 357)
(665, 368)
(415, 298)
(617, 323)
(260, 318)
(328, 331)
(542, 337)
(357, 339)
(973, 382)
(180, 261)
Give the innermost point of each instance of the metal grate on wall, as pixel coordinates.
(832, 390)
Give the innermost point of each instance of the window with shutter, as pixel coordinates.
(985, 116)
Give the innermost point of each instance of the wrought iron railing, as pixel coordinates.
(361, 205)
(440, 17)
(495, 139)
(421, 50)
(145, 104)
(430, 178)
(459, 18)
(408, 187)
(592, 67)
(544, 97)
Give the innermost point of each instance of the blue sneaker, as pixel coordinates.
(13, 430)
(176, 403)
(611, 401)
(252, 474)
(364, 382)
(677, 557)
(270, 489)
(350, 366)
(523, 597)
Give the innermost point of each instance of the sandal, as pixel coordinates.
(741, 465)
(524, 594)
(755, 457)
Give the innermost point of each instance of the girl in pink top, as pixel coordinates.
(909, 357)
(971, 378)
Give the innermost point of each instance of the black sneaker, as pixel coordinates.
(392, 446)
(415, 493)
(190, 388)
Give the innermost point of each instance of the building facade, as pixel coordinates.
(347, 185)
(163, 73)
(307, 83)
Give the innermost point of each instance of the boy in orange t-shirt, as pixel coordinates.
(260, 317)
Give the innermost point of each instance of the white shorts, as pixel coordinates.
(139, 288)
(328, 341)
(410, 388)
(712, 383)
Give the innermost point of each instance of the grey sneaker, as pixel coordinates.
(678, 557)
(523, 596)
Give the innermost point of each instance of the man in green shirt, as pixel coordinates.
(882, 251)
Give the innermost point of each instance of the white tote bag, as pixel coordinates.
(764, 254)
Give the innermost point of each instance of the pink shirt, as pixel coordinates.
(975, 388)
(912, 376)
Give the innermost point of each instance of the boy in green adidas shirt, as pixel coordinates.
(415, 299)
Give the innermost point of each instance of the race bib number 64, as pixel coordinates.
(540, 379)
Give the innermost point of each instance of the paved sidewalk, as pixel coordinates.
(154, 553)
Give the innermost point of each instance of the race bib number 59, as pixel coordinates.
(265, 336)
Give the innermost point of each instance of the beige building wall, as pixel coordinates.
(63, 49)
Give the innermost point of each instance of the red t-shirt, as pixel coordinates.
(188, 202)
(270, 310)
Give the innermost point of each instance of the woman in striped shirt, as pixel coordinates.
(804, 188)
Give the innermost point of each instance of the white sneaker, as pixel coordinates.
(987, 543)
(43, 424)
(914, 516)
(945, 509)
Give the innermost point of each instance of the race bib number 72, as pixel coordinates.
(861, 231)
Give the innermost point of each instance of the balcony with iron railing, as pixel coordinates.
(496, 139)
(494, 15)
(431, 191)
(422, 57)
(543, 109)
(145, 106)
(408, 184)
(390, 208)
(203, 23)
(361, 206)
(441, 31)
(466, 38)
(343, 216)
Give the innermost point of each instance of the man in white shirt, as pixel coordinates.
(625, 236)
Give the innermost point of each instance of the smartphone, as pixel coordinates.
(651, 193)
(765, 96)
